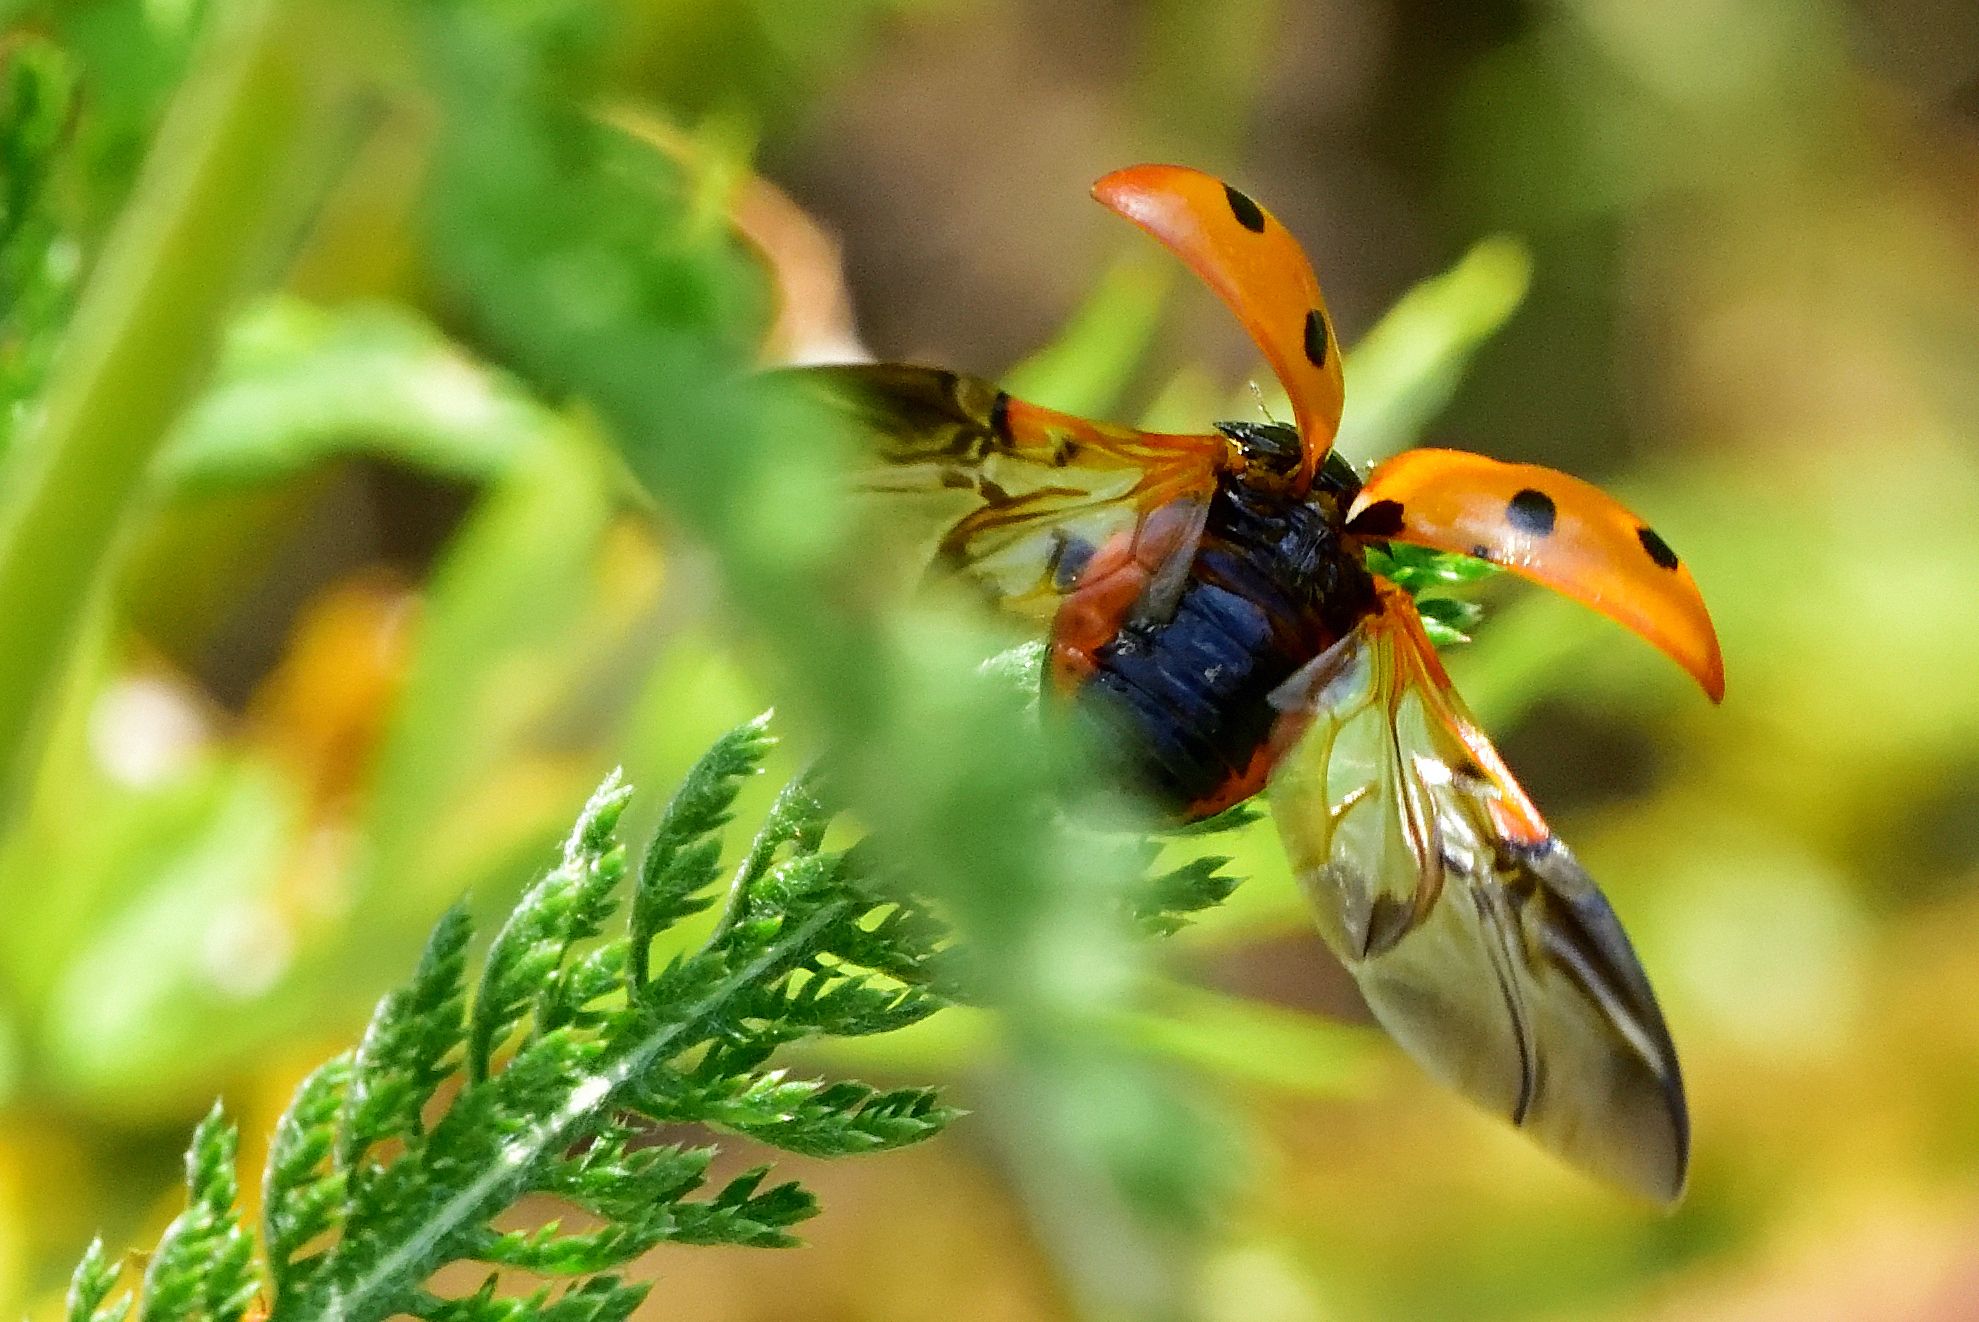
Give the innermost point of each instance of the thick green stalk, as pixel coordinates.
(215, 196)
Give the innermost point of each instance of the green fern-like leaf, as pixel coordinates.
(1428, 576)
(1165, 905)
(302, 1192)
(397, 1159)
(408, 1050)
(834, 1119)
(600, 1299)
(567, 906)
(685, 855)
(94, 1278)
(204, 1265)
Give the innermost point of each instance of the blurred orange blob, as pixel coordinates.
(321, 710)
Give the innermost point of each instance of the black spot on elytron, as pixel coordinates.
(1316, 338)
(1247, 212)
(1381, 519)
(1531, 511)
(1481, 552)
(1659, 550)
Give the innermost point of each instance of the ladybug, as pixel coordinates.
(1211, 608)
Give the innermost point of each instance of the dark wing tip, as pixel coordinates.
(1648, 1148)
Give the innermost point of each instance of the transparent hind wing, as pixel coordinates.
(1477, 940)
(1045, 491)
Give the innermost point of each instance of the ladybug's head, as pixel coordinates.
(1271, 450)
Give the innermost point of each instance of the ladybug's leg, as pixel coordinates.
(1137, 576)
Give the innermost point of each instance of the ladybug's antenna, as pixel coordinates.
(1258, 394)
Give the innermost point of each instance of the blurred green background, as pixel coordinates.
(324, 628)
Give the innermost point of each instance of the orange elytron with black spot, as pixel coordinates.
(1210, 605)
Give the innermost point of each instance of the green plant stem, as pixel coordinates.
(213, 199)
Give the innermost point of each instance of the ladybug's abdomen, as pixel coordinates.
(1185, 707)
(1182, 704)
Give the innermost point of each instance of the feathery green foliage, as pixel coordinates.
(1427, 575)
(204, 1263)
(1167, 902)
(551, 1077)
